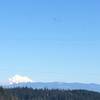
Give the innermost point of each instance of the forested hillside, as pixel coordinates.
(45, 94)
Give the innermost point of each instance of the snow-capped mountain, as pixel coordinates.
(19, 79)
(24, 81)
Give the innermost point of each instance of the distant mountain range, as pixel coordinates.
(58, 85)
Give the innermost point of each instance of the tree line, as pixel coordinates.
(46, 94)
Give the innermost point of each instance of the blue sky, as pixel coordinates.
(50, 40)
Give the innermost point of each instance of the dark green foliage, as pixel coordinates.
(46, 94)
(6, 95)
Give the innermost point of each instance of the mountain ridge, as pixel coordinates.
(58, 85)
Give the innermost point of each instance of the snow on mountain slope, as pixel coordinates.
(19, 79)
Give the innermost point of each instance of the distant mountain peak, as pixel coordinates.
(16, 79)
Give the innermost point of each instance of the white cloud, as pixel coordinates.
(19, 79)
